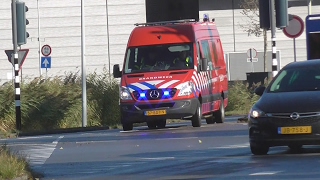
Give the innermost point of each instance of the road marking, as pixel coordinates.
(57, 140)
(177, 138)
(37, 137)
(265, 173)
(158, 158)
(87, 142)
(245, 145)
(38, 154)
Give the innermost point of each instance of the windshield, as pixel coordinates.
(302, 79)
(159, 58)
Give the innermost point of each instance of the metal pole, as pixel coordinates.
(294, 49)
(234, 32)
(273, 38)
(16, 66)
(108, 37)
(39, 43)
(309, 7)
(83, 68)
(251, 59)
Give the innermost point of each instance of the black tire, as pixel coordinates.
(161, 123)
(197, 117)
(210, 120)
(296, 147)
(152, 124)
(127, 126)
(259, 150)
(219, 115)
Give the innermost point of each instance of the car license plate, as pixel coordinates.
(295, 130)
(155, 113)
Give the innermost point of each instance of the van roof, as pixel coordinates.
(170, 32)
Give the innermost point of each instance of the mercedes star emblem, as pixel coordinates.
(154, 94)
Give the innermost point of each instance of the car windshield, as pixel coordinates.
(159, 58)
(299, 79)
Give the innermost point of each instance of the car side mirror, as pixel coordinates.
(116, 71)
(204, 64)
(259, 90)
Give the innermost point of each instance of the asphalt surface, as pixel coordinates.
(217, 151)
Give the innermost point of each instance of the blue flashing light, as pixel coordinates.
(206, 17)
(166, 93)
(142, 95)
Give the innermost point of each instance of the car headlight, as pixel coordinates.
(256, 113)
(125, 94)
(186, 89)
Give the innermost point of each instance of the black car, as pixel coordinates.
(288, 111)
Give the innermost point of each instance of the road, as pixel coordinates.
(217, 151)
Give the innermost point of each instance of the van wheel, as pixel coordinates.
(219, 115)
(152, 124)
(196, 118)
(210, 120)
(161, 123)
(127, 126)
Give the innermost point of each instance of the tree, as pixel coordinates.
(250, 9)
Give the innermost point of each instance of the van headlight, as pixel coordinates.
(187, 89)
(256, 113)
(125, 94)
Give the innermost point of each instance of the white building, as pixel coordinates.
(60, 27)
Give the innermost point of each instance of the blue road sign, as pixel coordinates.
(313, 36)
(46, 62)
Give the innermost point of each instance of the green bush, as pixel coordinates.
(56, 103)
(241, 97)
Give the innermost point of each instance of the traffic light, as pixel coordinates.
(282, 17)
(281, 11)
(264, 14)
(22, 23)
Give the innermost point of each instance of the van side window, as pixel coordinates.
(215, 49)
(206, 53)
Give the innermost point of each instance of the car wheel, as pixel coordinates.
(127, 126)
(197, 117)
(152, 124)
(219, 115)
(259, 150)
(161, 123)
(297, 147)
(210, 120)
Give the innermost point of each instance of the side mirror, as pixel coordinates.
(204, 64)
(259, 90)
(116, 71)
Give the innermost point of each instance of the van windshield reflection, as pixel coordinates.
(159, 58)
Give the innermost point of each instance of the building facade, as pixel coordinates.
(108, 24)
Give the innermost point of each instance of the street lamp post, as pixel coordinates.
(83, 68)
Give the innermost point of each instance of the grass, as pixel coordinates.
(13, 166)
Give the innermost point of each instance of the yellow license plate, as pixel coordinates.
(155, 113)
(295, 130)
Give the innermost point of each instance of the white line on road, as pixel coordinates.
(158, 158)
(57, 140)
(265, 173)
(87, 142)
(37, 137)
(245, 145)
(177, 138)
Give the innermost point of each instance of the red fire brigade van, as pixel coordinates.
(173, 70)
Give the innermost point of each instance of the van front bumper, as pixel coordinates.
(135, 112)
